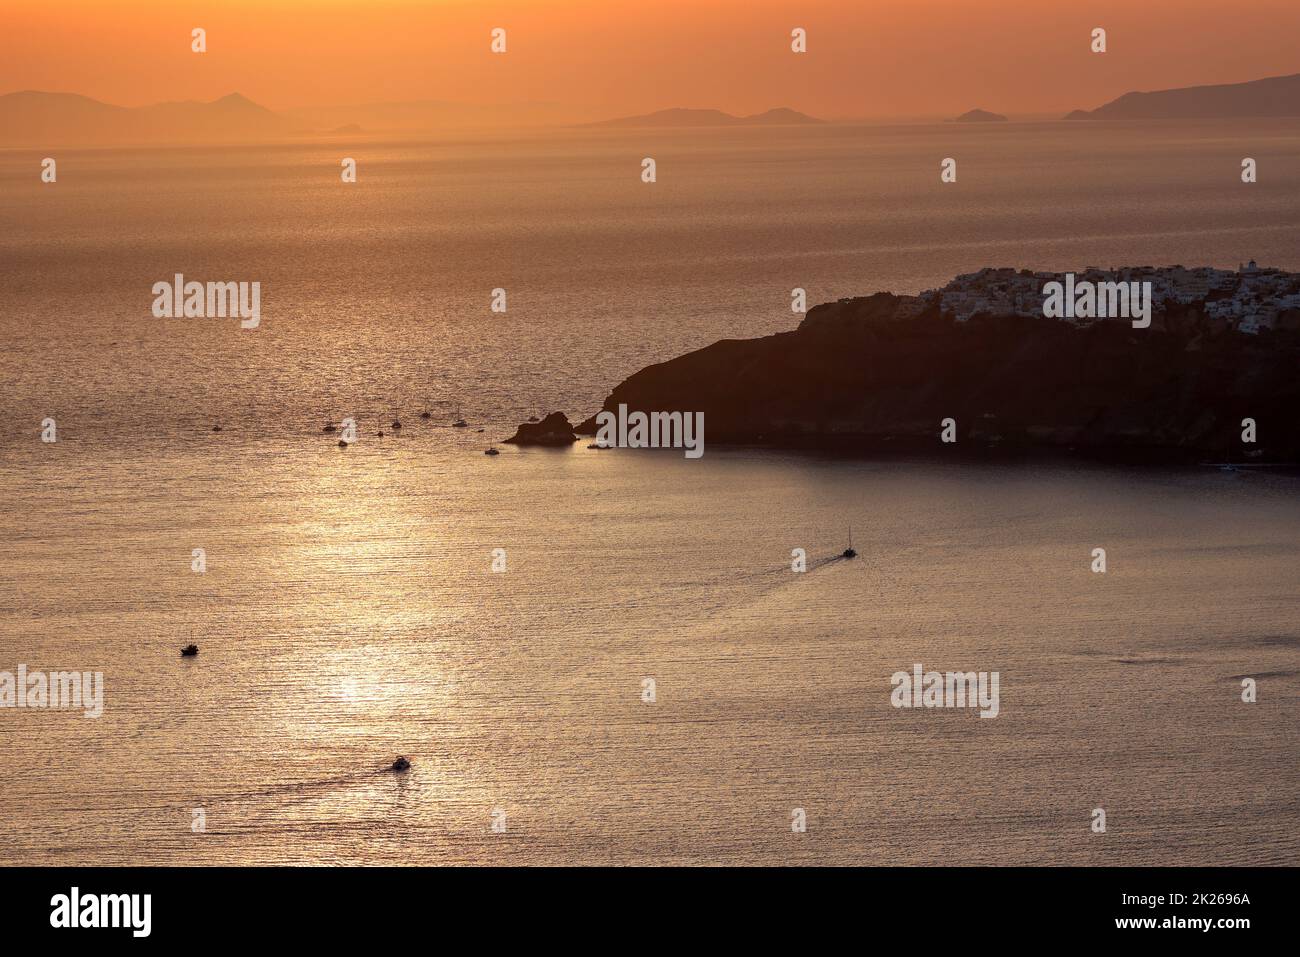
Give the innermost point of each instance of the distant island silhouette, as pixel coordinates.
(681, 117)
(980, 116)
(1270, 97)
(33, 118)
(881, 372)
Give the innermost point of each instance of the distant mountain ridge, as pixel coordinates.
(35, 118)
(683, 117)
(1272, 96)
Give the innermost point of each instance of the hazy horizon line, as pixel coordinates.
(596, 111)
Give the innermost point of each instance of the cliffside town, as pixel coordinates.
(1249, 300)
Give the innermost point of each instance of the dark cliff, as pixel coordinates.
(871, 373)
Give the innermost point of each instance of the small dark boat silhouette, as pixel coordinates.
(849, 552)
(396, 424)
(329, 428)
(478, 430)
(459, 423)
(491, 452)
(426, 415)
(380, 433)
(533, 418)
(216, 428)
(343, 444)
(189, 651)
(401, 764)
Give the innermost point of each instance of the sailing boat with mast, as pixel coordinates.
(849, 552)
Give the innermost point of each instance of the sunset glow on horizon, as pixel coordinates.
(906, 57)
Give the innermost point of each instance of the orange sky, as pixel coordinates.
(867, 58)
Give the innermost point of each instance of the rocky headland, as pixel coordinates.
(881, 372)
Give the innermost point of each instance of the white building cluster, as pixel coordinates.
(1249, 299)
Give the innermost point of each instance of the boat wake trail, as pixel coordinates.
(301, 790)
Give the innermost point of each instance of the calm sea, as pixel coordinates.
(349, 611)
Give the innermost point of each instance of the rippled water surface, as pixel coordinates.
(349, 612)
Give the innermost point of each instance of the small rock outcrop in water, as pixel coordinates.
(882, 373)
(552, 430)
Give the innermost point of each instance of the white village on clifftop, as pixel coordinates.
(1249, 299)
